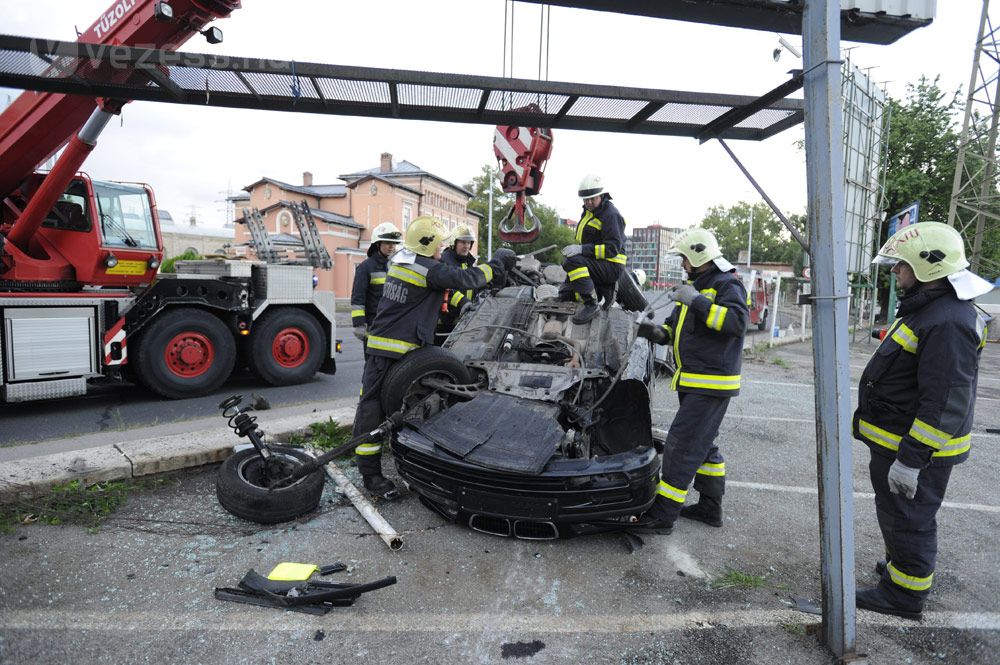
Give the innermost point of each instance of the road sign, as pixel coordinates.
(905, 217)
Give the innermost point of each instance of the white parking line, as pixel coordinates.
(420, 622)
(794, 489)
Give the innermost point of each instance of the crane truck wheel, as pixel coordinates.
(241, 487)
(286, 346)
(185, 352)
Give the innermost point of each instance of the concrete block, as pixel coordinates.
(181, 451)
(37, 475)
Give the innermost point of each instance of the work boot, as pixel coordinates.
(876, 600)
(588, 311)
(380, 486)
(707, 510)
(880, 567)
(649, 524)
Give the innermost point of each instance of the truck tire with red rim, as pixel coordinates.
(287, 346)
(185, 352)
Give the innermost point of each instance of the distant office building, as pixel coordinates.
(648, 251)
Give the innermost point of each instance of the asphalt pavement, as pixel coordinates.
(139, 589)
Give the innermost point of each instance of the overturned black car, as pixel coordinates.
(524, 424)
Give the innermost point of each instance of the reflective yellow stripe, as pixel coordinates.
(909, 581)
(357, 312)
(587, 219)
(712, 469)
(456, 298)
(886, 439)
(710, 381)
(882, 437)
(716, 315)
(927, 435)
(388, 344)
(578, 273)
(671, 492)
(905, 338)
(368, 449)
(619, 258)
(709, 293)
(407, 275)
(487, 270)
(599, 251)
(677, 348)
(376, 278)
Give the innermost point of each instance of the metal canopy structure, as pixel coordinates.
(122, 72)
(770, 15)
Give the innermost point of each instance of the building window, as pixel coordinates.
(407, 215)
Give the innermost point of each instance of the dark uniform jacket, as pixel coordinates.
(916, 397)
(601, 233)
(408, 312)
(369, 279)
(708, 335)
(451, 258)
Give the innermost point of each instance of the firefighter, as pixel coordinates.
(369, 278)
(706, 328)
(597, 259)
(915, 406)
(459, 255)
(407, 315)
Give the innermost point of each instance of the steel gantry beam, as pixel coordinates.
(122, 72)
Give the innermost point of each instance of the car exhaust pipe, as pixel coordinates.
(526, 530)
(495, 526)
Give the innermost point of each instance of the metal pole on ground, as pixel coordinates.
(825, 183)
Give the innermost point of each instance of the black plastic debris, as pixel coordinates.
(309, 596)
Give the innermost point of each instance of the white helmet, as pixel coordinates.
(384, 232)
(591, 186)
(640, 276)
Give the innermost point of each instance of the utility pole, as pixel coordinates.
(973, 207)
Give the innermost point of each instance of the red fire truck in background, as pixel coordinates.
(80, 294)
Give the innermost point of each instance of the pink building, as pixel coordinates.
(346, 213)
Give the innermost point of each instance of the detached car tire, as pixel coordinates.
(402, 380)
(238, 487)
(629, 296)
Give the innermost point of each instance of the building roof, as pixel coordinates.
(370, 176)
(239, 196)
(200, 231)
(319, 191)
(401, 170)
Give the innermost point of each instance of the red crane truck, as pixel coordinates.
(80, 294)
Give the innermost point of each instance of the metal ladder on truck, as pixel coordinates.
(312, 252)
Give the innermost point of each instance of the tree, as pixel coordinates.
(772, 243)
(552, 232)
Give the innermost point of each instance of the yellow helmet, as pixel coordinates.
(462, 232)
(934, 250)
(698, 245)
(425, 235)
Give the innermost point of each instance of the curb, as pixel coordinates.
(35, 476)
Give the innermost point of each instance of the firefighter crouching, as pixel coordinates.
(459, 255)
(915, 406)
(406, 319)
(369, 278)
(706, 328)
(596, 261)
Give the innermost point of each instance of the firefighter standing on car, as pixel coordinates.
(369, 277)
(706, 327)
(459, 255)
(915, 406)
(596, 260)
(406, 319)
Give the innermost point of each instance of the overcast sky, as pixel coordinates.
(192, 155)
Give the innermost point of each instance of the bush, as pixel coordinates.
(168, 264)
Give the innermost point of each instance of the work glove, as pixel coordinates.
(361, 332)
(903, 479)
(684, 294)
(653, 332)
(507, 258)
(465, 307)
(571, 250)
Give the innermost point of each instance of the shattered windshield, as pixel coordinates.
(126, 218)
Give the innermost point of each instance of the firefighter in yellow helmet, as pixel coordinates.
(706, 328)
(915, 406)
(458, 255)
(369, 277)
(406, 318)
